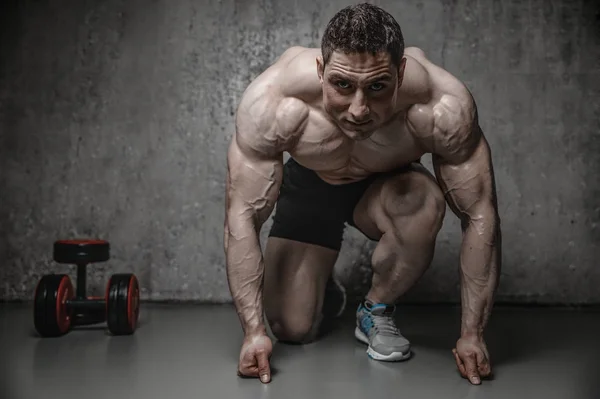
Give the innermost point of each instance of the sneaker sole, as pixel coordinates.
(392, 357)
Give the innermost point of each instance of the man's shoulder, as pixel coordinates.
(446, 120)
(293, 52)
(297, 73)
(292, 75)
(273, 111)
(433, 79)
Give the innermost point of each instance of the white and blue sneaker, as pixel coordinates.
(375, 327)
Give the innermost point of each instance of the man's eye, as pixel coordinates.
(377, 86)
(343, 85)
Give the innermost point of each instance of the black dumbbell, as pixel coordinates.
(58, 307)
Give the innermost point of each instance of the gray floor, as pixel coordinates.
(185, 351)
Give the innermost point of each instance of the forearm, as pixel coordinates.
(480, 270)
(252, 187)
(245, 270)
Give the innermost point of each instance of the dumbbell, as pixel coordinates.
(58, 307)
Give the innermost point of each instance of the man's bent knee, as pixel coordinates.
(294, 331)
(415, 195)
(433, 210)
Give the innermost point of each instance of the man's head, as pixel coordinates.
(361, 68)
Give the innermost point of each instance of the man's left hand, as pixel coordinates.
(472, 359)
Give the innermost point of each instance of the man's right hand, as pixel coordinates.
(254, 357)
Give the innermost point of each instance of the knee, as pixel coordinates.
(433, 209)
(294, 330)
(415, 197)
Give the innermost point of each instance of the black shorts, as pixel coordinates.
(313, 211)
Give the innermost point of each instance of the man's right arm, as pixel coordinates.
(266, 126)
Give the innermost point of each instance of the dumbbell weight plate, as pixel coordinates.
(81, 251)
(51, 316)
(122, 304)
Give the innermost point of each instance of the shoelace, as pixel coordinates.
(384, 324)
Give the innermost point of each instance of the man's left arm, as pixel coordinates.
(463, 166)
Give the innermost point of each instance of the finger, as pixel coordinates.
(459, 364)
(483, 365)
(264, 371)
(247, 371)
(247, 365)
(471, 368)
(484, 370)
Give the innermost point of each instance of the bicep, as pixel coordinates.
(266, 126)
(468, 185)
(462, 161)
(253, 179)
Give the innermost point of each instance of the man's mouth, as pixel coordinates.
(363, 123)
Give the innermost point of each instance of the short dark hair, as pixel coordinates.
(363, 28)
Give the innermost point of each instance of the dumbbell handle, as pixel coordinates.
(81, 280)
(87, 304)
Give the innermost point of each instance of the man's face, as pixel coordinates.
(359, 91)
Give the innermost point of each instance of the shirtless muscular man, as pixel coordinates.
(356, 116)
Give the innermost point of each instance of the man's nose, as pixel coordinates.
(359, 108)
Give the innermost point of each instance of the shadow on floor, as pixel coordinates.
(589, 379)
(512, 334)
(99, 327)
(505, 345)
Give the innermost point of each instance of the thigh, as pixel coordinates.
(398, 196)
(295, 277)
(309, 210)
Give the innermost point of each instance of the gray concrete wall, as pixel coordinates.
(115, 117)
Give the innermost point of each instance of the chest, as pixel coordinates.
(326, 149)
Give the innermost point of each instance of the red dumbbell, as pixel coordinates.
(58, 307)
